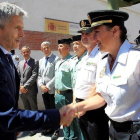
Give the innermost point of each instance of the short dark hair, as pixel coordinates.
(123, 30)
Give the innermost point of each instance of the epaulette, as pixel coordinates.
(135, 47)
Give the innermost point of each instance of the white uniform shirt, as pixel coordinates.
(86, 72)
(15, 60)
(120, 87)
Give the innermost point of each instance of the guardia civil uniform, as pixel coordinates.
(74, 64)
(75, 61)
(64, 94)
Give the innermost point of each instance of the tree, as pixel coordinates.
(115, 4)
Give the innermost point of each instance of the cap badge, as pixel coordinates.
(83, 24)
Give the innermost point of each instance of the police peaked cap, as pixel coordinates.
(100, 17)
(84, 24)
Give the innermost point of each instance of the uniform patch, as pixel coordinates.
(114, 77)
(102, 73)
(90, 64)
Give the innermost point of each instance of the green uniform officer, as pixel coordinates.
(80, 52)
(64, 93)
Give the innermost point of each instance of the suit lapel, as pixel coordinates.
(7, 66)
(17, 79)
(43, 66)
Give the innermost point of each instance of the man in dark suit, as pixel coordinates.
(46, 78)
(28, 73)
(13, 119)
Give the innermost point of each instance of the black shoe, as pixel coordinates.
(32, 133)
(47, 132)
(55, 136)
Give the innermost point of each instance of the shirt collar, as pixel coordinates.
(123, 52)
(27, 60)
(4, 50)
(82, 55)
(48, 56)
(67, 57)
(94, 51)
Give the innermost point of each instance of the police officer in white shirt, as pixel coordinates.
(94, 124)
(15, 58)
(118, 75)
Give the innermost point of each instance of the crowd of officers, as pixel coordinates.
(103, 62)
(63, 81)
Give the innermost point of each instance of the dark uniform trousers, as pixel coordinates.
(94, 124)
(71, 132)
(125, 130)
(49, 100)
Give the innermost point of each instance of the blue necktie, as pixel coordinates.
(46, 61)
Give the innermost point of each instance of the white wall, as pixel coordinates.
(73, 11)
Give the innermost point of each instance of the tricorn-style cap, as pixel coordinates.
(76, 38)
(84, 24)
(65, 41)
(100, 17)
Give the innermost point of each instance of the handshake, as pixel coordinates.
(68, 113)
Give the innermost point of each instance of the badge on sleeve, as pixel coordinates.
(102, 73)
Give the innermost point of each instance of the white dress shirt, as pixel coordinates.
(120, 87)
(15, 60)
(4, 50)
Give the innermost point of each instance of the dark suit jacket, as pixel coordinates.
(28, 76)
(13, 119)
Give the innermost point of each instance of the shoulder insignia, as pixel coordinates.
(135, 47)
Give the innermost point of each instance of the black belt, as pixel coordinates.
(62, 92)
(79, 100)
(127, 126)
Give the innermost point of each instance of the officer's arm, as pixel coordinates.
(92, 103)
